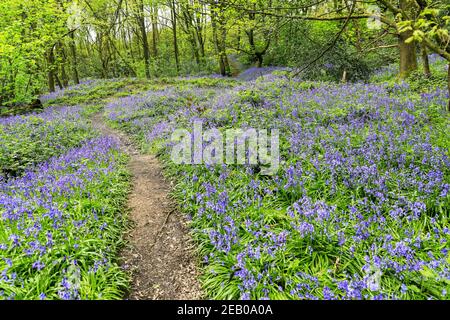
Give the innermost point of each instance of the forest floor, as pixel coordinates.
(159, 250)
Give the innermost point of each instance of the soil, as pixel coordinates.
(159, 251)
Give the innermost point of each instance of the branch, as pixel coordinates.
(382, 47)
(333, 43)
(62, 37)
(443, 53)
(391, 7)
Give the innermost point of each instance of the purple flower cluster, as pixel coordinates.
(358, 209)
(254, 73)
(27, 140)
(69, 91)
(51, 218)
(138, 113)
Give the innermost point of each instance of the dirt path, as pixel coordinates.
(159, 253)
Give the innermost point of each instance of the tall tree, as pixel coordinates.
(140, 16)
(219, 30)
(408, 55)
(74, 63)
(173, 13)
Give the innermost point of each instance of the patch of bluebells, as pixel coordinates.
(358, 209)
(52, 217)
(254, 73)
(69, 91)
(137, 113)
(28, 140)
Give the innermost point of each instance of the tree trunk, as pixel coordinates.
(223, 49)
(200, 26)
(258, 56)
(145, 47)
(201, 42)
(426, 62)
(408, 56)
(195, 47)
(65, 79)
(175, 40)
(154, 17)
(73, 51)
(251, 39)
(238, 39)
(216, 39)
(219, 37)
(259, 59)
(217, 49)
(132, 52)
(58, 82)
(101, 53)
(258, 53)
(51, 72)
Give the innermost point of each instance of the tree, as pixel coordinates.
(193, 25)
(140, 17)
(431, 28)
(259, 30)
(218, 24)
(408, 56)
(29, 32)
(173, 13)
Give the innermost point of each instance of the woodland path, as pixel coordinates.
(159, 250)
